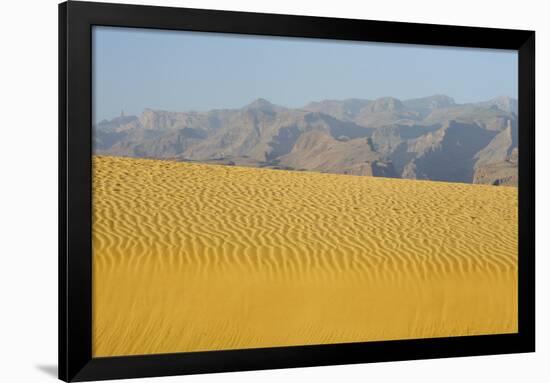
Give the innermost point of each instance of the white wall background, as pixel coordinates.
(28, 189)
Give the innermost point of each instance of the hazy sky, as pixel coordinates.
(135, 69)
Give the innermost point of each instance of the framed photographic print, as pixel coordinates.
(245, 191)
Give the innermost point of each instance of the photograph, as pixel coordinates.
(261, 191)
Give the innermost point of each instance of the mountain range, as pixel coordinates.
(430, 138)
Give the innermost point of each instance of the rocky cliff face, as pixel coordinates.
(428, 138)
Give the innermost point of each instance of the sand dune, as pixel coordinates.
(193, 257)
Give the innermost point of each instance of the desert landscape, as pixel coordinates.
(268, 191)
(191, 255)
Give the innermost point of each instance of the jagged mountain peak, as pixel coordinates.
(505, 103)
(385, 104)
(262, 104)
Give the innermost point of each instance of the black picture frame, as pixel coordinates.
(75, 196)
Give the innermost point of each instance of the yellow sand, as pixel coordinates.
(193, 257)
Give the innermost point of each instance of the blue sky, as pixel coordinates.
(135, 69)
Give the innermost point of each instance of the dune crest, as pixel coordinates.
(196, 257)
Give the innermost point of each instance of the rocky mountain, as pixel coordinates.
(430, 138)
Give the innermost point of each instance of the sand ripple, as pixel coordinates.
(191, 257)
